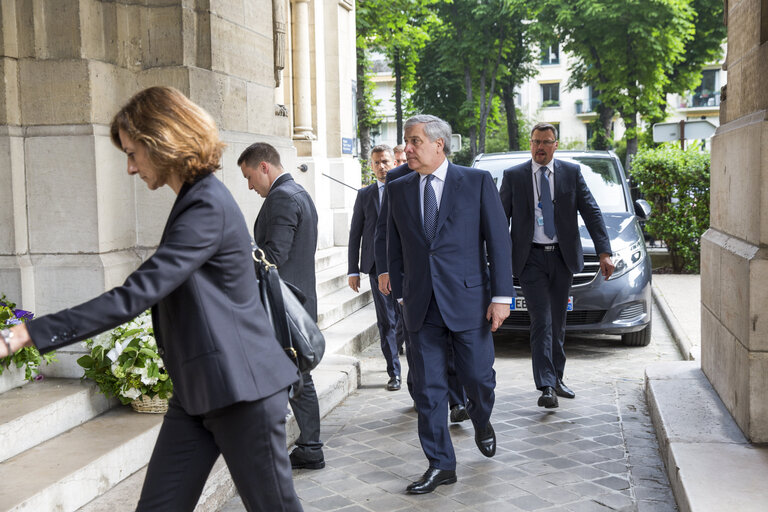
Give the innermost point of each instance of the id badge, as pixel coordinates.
(540, 221)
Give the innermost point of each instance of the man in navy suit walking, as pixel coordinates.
(450, 265)
(543, 198)
(364, 217)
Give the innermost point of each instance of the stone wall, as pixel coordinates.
(75, 223)
(734, 271)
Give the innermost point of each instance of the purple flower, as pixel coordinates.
(12, 321)
(24, 315)
(39, 376)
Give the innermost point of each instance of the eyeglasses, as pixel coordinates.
(536, 142)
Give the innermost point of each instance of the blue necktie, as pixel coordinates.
(430, 209)
(547, 208)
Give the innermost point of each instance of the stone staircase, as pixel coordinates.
(64, 447)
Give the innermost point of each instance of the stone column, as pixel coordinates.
(734, 270)
(302, 101)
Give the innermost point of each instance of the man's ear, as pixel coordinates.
(264, 167)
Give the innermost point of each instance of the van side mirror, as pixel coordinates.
(642, 209)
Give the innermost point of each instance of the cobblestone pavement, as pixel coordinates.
(594, 453)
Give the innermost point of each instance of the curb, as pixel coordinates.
(682, 341)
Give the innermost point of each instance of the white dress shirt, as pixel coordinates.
(539, 237)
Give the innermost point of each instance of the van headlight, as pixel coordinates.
(628, 258)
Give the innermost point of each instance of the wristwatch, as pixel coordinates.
(7, 334)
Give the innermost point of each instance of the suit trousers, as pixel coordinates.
(456, 394)
(430, 354)
(250, 436)
(546, 281)
(306, 410)
(389, 323)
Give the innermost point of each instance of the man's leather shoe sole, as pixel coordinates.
(459, 413)
(430, 480)
(564, 391)
(393, 384)
(486, 441)
(548, 399)
(308, 464)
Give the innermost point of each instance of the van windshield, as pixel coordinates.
(601, 175)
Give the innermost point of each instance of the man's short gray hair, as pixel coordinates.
(541, 127)
(434, 127)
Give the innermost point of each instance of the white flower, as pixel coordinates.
(131, 393)
(142, 372)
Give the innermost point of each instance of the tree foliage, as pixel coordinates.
(399, 30)
(628, 50)
(676, 183)
(478, 47)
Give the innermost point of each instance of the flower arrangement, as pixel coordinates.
(124, 362)
(28, 357)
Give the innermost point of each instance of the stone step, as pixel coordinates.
(68, 471)
(12, 378)
(330, 257)
(331, 280)
(34, 413)
(339, 304)
(335, 377)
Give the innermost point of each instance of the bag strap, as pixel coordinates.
(268, 272)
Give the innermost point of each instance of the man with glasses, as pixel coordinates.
(542, 198)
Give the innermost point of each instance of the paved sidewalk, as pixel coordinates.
(678, 297)
(595, 453)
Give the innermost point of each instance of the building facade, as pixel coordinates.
(75, 224)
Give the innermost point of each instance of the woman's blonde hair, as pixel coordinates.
(181, 138)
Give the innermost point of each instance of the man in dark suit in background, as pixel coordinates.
(286, 229)
(542, 197)
(362, 229)
(450, 264)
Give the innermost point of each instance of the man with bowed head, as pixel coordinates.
(286, 230)
(450, 265)
(542, 198)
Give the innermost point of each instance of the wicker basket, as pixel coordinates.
(154, 405)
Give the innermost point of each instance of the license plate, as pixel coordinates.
(519, 304)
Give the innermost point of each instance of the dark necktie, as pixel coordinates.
(430, 209)
(547, 208)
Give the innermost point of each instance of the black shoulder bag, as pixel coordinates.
(298, 334)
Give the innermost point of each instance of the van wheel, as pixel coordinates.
(639, 338)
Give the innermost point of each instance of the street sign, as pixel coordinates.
(668, 132)
(455, 142)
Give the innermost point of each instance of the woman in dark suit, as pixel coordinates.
(230, 375)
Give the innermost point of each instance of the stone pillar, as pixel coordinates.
(734, 271)
(302, 101)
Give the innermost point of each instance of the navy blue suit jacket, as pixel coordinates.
(380, 243)
(211, 327)
(572, 196)
(467, 263)
(362, 230)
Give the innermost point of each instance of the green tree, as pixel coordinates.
(626, 49)
(399, 30)
(476, 45)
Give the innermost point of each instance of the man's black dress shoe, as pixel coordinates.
(548, 398)
(485, 439)
(431, 479)
(563, 391)
(298, 462)
(393, 384)
(459, 413)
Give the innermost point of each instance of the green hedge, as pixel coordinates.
(676, 183)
